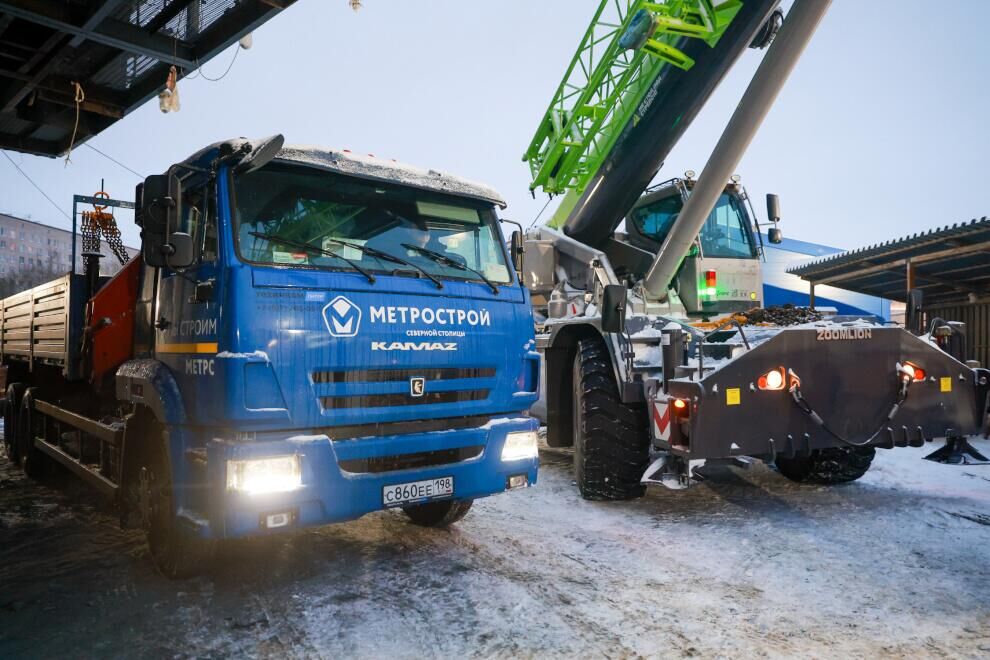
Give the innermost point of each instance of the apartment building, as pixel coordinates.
(25, 244)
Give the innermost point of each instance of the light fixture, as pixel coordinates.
(257, 476)
(519, 445)
(772, 380)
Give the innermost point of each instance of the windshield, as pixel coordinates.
(338, 214)
(725, 233)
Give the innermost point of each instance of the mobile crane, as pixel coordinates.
(648, 373)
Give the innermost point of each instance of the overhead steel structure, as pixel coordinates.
(949, 265)
(119, 51)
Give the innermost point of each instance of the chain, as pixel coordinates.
(96, 222)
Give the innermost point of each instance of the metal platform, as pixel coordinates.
(119, 51)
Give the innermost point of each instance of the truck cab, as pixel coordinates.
(721, 274)
(315, 336)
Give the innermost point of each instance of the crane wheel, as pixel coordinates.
(611, 441)
(837, 465)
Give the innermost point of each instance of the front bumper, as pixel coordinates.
(330, 493)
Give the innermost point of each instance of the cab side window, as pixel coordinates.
(199, 212)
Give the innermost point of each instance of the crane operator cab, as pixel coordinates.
(721, 273)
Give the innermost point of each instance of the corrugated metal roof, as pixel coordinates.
(950, 263)
(120, 51)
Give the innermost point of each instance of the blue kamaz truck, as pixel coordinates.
(307, 336)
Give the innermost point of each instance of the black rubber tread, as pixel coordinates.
(175, 552)
(611, 441)
(438, 514)
(33, 461)
(837, 465)
(11, 406)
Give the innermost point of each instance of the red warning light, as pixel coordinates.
(916, 373)
(711, 279)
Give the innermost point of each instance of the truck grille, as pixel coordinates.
(411, 461)
(393, 375)
(403, 399)
(378, 429)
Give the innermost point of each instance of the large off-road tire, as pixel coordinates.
(611, 441)
(11, 406)
(437, 514)
(175, 550)
(29, 424)
(828, 466)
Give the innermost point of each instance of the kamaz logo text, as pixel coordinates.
(343, 318)
(413, 346)
(828, 334)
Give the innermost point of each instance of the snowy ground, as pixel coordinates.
(746, 564)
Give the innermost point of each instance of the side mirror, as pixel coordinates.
(614, 308)
(774, 235)
(160, 211)
(179, 252)
(516, 251)
(773, 208)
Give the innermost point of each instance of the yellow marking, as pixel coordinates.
(732, 396)
(187, 348)
(945, 384)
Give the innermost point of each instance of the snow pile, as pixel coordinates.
(392, 171)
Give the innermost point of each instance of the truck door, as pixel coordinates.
(187, 309)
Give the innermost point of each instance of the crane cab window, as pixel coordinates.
(725, 234)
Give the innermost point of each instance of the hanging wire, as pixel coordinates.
(80, 97)
(36, 186)
(549, 199)
(113, 160)
(199, 67)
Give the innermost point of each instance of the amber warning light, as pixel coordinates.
(772, 380)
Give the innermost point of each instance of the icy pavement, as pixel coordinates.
(746, 564)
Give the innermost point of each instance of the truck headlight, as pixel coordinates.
(256, 476)
(519, 445)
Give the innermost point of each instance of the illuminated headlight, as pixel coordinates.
(519, 445)
(264, 475)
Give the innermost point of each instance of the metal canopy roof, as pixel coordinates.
(119, 51)
(951, 264)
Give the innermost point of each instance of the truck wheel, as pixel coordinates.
(611, 446)
(175, 551)
(437, 514)
(836, 465)
(11, 405)
(29, 424)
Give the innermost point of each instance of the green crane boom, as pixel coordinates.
(626, 48)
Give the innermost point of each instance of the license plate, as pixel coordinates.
(417, 491)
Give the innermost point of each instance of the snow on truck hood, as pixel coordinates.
(345, 162)
(385, 169)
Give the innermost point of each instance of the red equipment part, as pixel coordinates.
(111, 321)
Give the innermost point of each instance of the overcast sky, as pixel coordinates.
(881, 131)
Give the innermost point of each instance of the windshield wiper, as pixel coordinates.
(444, 259)
(309, 247)
(385, 256)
